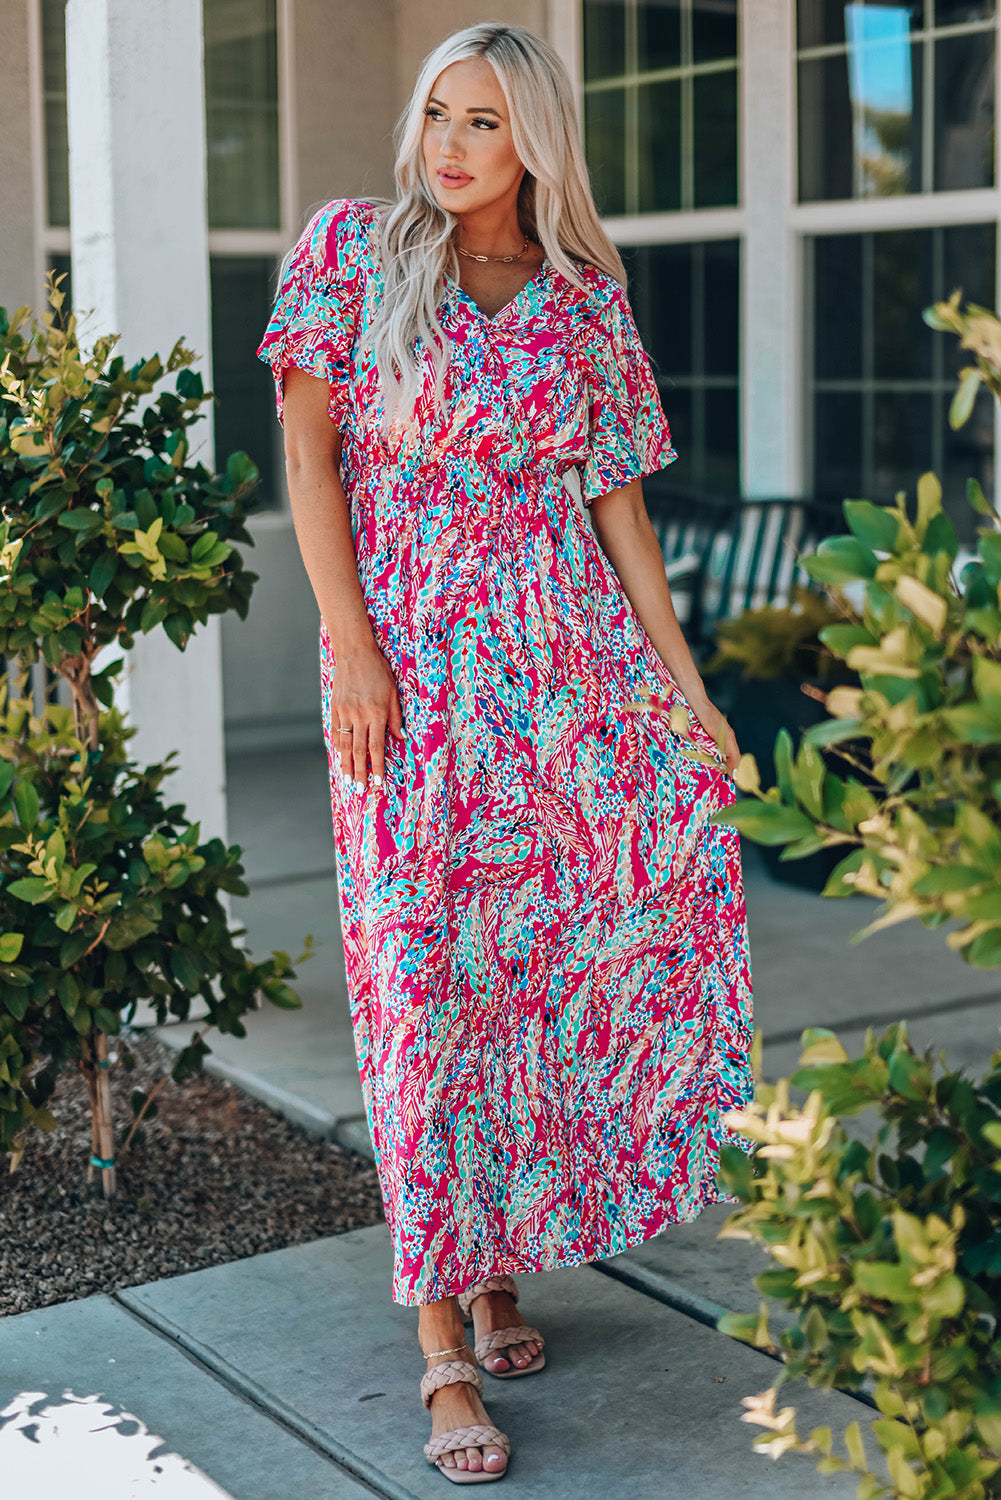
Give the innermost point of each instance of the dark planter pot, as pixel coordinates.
(758, 708)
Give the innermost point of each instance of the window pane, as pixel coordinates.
(241, 113)
(820, 22)
(244, 411)
(658, 34)
(721, 469)
(659, 146)
(837, 445)
(57, 152)
(837, 306)
(902, 286)
(964, 111)
(715, 138)
(722, 307)
(951, 12)
(604, 38)
(714, 29)
(825, 129)
(663, 303)
(677, 403)
(605, 129)
(860, 123)
(902, 441)
(823, 22)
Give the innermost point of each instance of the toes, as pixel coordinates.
(447, 1460)
(498, 1362)
(473, 1458)
(494, 1459)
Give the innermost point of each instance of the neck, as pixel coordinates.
(491, 231)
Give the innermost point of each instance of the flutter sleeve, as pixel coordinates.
(316, 312)
(628, 433)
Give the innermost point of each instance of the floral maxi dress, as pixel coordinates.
(545, 939)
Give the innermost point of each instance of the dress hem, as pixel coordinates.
(513, 1264)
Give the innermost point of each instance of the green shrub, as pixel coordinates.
(107, 895)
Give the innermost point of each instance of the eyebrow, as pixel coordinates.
(472, 110)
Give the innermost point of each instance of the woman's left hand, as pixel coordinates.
(710, 718)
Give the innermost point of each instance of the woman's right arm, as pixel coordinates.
(364, 694)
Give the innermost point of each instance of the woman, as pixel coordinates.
(545, 938)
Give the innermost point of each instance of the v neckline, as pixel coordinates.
(537, 276)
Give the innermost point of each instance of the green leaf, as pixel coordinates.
(30, 888)
(840, 559)
(10, 946)
(765, 822)
(977, 499)
(26, 803)
(966, 393)
(874, 525)
(102, 574)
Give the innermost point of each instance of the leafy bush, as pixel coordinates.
(775, 639)
(107, 895)
(889, 1257)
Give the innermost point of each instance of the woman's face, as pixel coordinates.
(468, 151)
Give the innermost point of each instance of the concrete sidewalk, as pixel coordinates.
(293, 1374)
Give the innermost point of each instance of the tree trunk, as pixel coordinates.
(76, 670)
(102, 1125)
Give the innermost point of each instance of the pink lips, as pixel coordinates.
(453, 179)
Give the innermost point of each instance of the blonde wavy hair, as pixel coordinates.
(417, 235)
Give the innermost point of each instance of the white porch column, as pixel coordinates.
(771, 287)
(139, 240)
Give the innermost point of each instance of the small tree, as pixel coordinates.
(107, 896)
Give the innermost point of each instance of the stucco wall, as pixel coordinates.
(344, 98)
(17, 206)
(422, 24)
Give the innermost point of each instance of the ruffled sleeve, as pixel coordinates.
(316, 313)
(628, 433)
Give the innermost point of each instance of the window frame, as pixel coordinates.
(54, 239)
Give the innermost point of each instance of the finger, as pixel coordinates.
(359, 753)
(342, 745)
(394, 721)
(377, 751)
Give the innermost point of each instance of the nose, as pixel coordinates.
(449, 142)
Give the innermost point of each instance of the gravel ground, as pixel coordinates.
(219, 1176)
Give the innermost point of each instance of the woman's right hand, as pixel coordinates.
(365, 701)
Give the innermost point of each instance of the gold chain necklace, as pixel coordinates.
(484, 258)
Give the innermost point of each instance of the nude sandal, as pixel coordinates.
(478, 1435)
(501, 1338)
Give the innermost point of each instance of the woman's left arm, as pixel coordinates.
(623, 530)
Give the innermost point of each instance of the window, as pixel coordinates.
(245, 404)
(685, 298)
(241, 109)
(660, 103)
(895, 98)
(241, 113)
(57, 153)
(882, 379)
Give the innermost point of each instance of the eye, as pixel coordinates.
(490, 124)
(433, 111)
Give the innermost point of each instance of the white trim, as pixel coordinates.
(905, 211)
(675, 227)
(247, 242)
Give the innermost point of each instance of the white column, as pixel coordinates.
(140, 260)
(771, 283)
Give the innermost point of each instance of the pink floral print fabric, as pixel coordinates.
(545, 940)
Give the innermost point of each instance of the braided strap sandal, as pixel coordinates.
(500, 1338)
(477, 1435)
